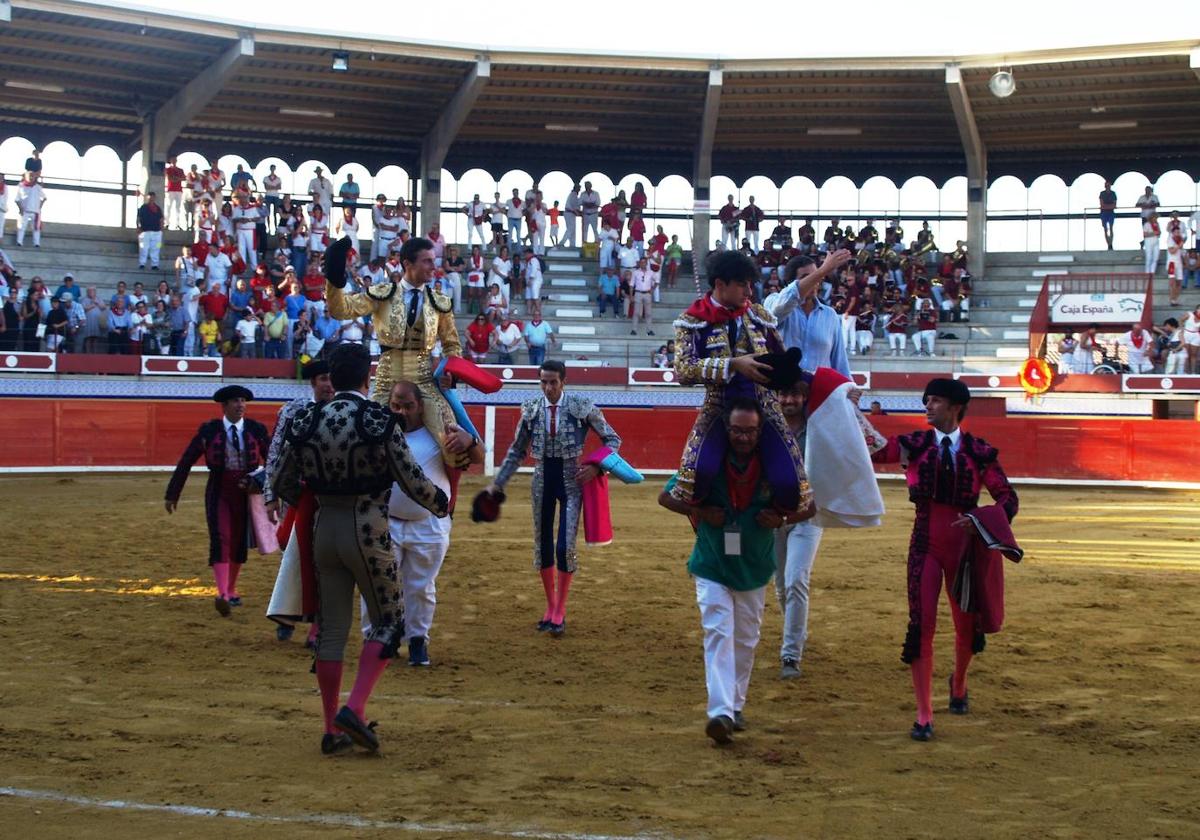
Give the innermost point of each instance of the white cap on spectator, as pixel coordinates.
(68, 276)
(67, 297)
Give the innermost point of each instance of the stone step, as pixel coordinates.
(568, 282)
(560, 297)
(1056, 258)
(574, 329)
(574, 313)
(580, 347)
(570, 268)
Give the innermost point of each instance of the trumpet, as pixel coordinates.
(863, 256)
(959, 252)
(887, 254)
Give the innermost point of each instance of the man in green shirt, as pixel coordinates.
(732, 563)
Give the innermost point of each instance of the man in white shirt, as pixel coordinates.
(30, 198)
(514, 208)
(497, 216)
(572, 210)
(477, 213)
(245, 220)
(643, 283)
(508, 340)
(247, 331)
(191, 295)
(533, 279)
(272, 186)
(217, 267)
(537, 236)
(1137, 343)
(420, 539)
(628, 256)
(351, 331)
(321, 190)
(1148, 202)
(590, 205)
(538, 335)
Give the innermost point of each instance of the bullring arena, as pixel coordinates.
(132, 708)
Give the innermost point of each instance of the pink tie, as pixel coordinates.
(553, 421)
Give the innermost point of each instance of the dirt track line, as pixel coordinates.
(335, 820)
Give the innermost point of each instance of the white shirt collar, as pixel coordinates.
(238, 425)
(546, 400)
(408, 287)
(954, 437)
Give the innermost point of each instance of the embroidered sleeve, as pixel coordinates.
(1001, 490)
(516, 452)
(595, 419)
(285, 481)
(448, 333)
(690, 368)
(346, 306)
(286, 412)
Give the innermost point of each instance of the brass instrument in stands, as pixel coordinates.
(887, 254)
(959, 252)
(863, 256)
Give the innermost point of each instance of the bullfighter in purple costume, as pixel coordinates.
(946, 469)
(717, 341)
(233, 446)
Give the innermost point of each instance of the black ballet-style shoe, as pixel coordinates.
(921, 733)
(361, 733)
(333, 744)
(222, 606)
(958, 705)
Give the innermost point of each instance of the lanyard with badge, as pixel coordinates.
(733, 535)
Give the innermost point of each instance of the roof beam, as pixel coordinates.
(976, 154)
(440, 137)
(702, 169)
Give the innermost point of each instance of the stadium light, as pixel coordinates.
(1002, 84)
(341, 62)
(1100, 126)
(304, 112)
(45, 88)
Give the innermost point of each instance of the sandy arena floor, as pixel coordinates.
(120, 682)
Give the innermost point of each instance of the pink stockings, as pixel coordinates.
(225, 576)
(946, 544)
(329, 680)
(556, 597)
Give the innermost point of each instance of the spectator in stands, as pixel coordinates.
(1151, 235)
(277, 328)
(536, 222)
(1066, 352)
(532, 277)
(590, 209)
(1085, 350)
(1191, 340)
(728, 216)
(56, 327)
(897, 329)
(1108, 212)
(353, 331)
(349, 193)
(439, 244)
(3, 203)
(643, 282)
(501, 272)
(138, 295)
(240, 297)
(210, 336)
(515, 210)
(68, 287)
(479, 338)
(10, 326)
(507, 340)
(1138, 343)
(1147, 203)
(161, 292)
(497, 212)
(455, 267)
(247, 333)
(496, 306)
(752, 217)
(538, 336)
(674, 257)
(927, 321)
(877, 408)
(179, 319)
(119, 322)
(320, 190)
(30, 200)
(402, 215)
(160, 327)
(77, 316)
(1191, 268)
(140, 324)
(327, 329)
(318, 235)
(1170, 354)
(637, 232)
(93, 311)
(33, 165)
(628, 256)
(659, 358)
(555, 217)
(608, 245)
(609, 286)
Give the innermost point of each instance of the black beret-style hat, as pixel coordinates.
(232, 392)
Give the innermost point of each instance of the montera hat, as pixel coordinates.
(232, 392)
(950, 389)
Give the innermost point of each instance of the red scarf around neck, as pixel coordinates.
(741, 485)
(706, 309)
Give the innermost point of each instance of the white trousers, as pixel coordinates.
(589, 223)
(752, 235)
(923, 340)
(537, 242)
(1142, 366)
(1150, 249)
(729, 236)
(897, 341)
(474, 230)
(795, 549)
(245, 240)
(29, 220)
(174, 209)
(418, 564)
(1176, 362)
(731, 621)
(570, 222)
(848, 324)
(864, 338)
(454, 289)
(149, 246)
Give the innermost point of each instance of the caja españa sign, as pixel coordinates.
(1100, 308)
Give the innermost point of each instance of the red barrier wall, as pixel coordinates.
(49, 432)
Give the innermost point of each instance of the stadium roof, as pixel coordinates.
(89, 74)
